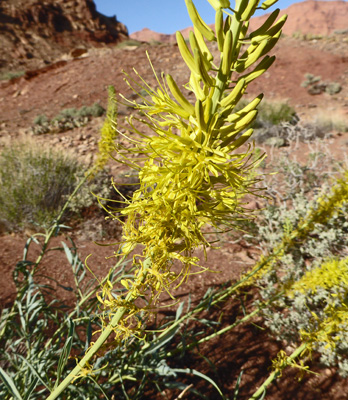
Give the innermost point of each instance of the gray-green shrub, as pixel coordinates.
(7, 75)
(68, 118)
(315, 85)
(295, 198)
(35, 183)
(40, 120)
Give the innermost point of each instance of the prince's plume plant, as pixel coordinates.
(193, 170)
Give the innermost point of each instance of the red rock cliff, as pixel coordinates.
(34, 32)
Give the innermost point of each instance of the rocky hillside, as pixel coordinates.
(37, 32)
(313, 17)
(307, 17)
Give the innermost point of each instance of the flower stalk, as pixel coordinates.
(92, 351)
(194, 166)
(287, 361)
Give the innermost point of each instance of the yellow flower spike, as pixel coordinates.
(108, 133)
(332, 273)
(194, 167)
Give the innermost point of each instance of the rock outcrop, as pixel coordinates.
(38, 32)
(147, 35)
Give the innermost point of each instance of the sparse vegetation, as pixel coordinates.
(41, 120)
(67, 119)
(329, 122)
(7, 75)
(315, 85)
(36, 182)
(333, 88)
(96, 110)
(307, 36)
(311, 272)
(129, 43)
(154, 42)
(274, 114)
(273, 123)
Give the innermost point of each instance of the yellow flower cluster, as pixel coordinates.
(130, 324)
(332, 273)
(283, 360)
(327, 205)
(108, 132)
(192, 168)
(327, 330)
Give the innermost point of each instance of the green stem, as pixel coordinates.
(215, 334)
(275, 374)
(81, 302)
(101, 340)
(227, 328)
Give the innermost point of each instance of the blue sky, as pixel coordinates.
(163, 16)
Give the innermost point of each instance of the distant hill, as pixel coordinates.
(313, 17)
(308, 17)
(37, 32)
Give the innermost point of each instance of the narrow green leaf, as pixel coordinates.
(88, 335)
(160, 342)
(26, 247)
(199, 374)
(236, 389)
(35, 372)
(68, 253)
(179, 310)
(65, 353)
(99, 387)
(10, 385)
(30, 389)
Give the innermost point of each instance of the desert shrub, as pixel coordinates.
(68, 118)
(277, 124)
(40, 120)
(292, 314)
(315, 85)
(154, 42)
(307, 36)
(330, 122)
(299, 312)
(7, 75)
(275, 113)
(96, 110)
(341, 32)
(128, 42)
(98, 186)
(66, 113)
(333, 88)
(35, 183)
